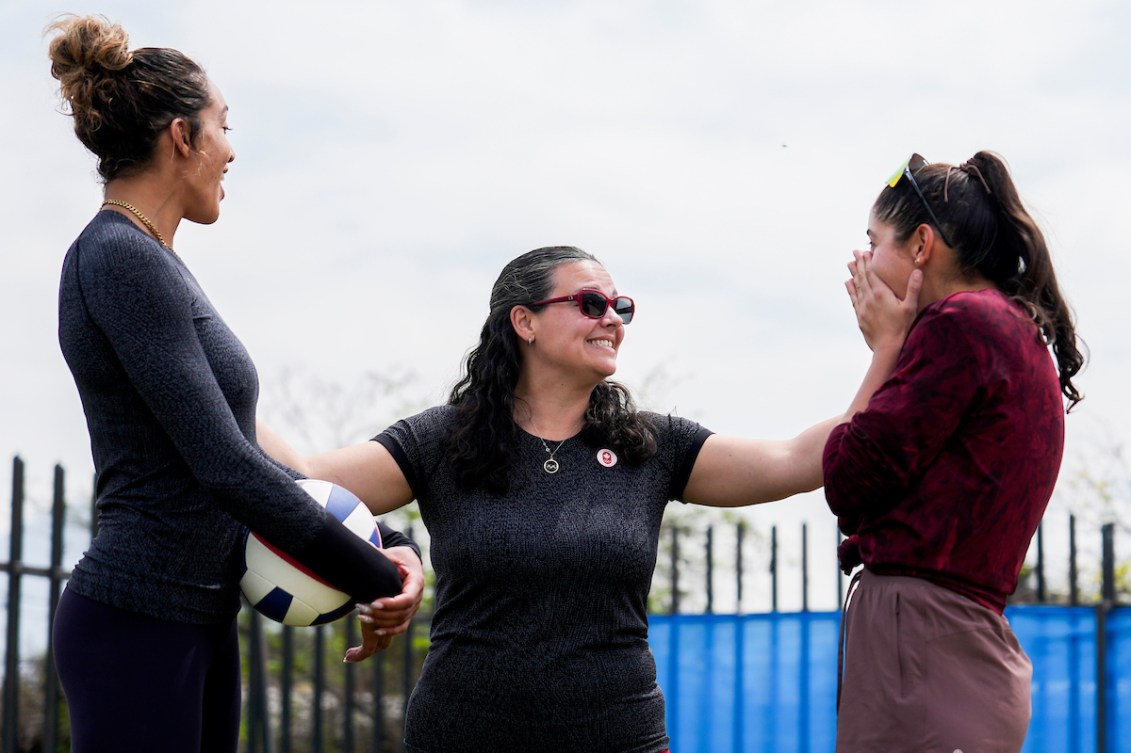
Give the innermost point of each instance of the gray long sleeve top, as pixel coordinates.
(169, 395)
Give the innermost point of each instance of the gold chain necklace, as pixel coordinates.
(144, 220)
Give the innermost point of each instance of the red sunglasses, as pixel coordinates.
(594, 304)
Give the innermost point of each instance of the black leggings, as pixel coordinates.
(135, 684)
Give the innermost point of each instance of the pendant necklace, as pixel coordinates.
(551, 466)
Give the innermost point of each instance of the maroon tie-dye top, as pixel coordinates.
(946, 474)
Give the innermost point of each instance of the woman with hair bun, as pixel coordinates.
(941, 476)
(145, 633)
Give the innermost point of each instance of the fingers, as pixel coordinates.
(850, 283)
(862, 271)
(371, 643)
(367, 649)
(914, 286)
(391, 615)
(860, 284)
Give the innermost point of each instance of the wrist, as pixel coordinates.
(889, 345)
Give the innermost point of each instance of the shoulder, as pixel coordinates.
(428, 423)
(669, 427)
(440, 415)
(114, 235)
(977, 308)
(112, 246)
(971, 318)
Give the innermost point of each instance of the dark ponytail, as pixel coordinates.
(1027, 273)
(994, 237)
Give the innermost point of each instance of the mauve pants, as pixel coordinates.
(928, 670)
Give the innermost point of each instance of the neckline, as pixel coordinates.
(540, 438)
(124, 219)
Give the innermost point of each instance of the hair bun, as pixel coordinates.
(86, 50)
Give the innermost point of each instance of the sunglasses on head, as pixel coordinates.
(914, 164)
(594, 304)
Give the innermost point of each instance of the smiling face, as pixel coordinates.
(567, 341)
(213, 153)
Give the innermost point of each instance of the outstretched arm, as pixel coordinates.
(735, 471)
(366, 469)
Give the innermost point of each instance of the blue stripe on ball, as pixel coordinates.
(275, 604)
(341, 503)
(337, 614)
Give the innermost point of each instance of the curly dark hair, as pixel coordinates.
(981, 213)
(481, 443)
(120, 100)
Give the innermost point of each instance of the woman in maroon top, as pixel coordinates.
(941, 476)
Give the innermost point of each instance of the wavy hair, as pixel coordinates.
(480, 446)
(121, 100)
(994, 236)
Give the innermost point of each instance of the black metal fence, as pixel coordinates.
(300, 697)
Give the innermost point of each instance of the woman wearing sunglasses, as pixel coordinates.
(543, 488)
(940, 481)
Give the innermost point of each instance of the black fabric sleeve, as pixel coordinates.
(391, 537)
(683, 472)
(386, 440)
(331, 554)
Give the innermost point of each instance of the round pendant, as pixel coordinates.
(550, 466)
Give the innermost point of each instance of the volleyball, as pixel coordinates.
(284, 590)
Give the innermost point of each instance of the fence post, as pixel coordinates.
(1041, 593)
(349, 700)
(378, 707)
(1073, 574)
(804, 567)
(773, 568)
(740, 534)
(839, 577)
(406, 678)
(675, 570)
(11, 715)
(319, 688)
(56, 577)
(258, 720)
(1102, 610)
(710, 569)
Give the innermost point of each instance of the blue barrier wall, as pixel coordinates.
(767, 682)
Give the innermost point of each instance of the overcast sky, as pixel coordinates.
(719, 156)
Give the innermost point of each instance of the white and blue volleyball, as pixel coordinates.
(288, 592)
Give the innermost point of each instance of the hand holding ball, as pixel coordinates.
(284, 590)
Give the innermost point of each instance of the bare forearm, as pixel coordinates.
(884, 358)
(279, 449)
(808, 447)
